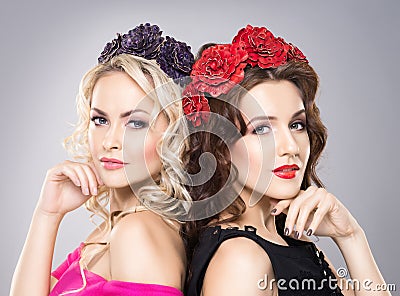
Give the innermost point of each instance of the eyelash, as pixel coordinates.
(304, 126)
(96, 118)
(258, 127)
(142, 124)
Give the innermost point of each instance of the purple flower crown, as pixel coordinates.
(173, 57)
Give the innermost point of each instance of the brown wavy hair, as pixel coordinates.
(303, 76)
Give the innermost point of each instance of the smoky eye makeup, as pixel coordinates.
(98, 119)
(299, 124)
(137, 123)
(259, 127)
(137, 120)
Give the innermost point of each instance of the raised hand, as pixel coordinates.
(67, 186)
(318, 212)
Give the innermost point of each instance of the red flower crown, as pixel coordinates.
(221, 67)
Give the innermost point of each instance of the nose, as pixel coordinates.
(113, 138)
(285, 143)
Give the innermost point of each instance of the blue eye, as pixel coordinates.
(262, 129)
(137, 124)
(99, 120)
(298, 126)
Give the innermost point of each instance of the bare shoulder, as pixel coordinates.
(147, 227)
(237, 268)
(95, 235)
(145, 249)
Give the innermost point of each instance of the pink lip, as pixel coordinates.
(111, 163)
(286, 171)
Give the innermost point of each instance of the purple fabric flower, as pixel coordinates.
(175, 59)
(143, 41)
(110, 50)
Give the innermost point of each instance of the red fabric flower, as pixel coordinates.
(195, 105)
(263, 48)
(219, 68)
(295, 54)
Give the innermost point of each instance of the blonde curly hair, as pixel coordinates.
(163, 195)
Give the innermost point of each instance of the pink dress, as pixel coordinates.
(69, 278)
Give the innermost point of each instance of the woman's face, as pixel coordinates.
(276, 136)
(120, 137)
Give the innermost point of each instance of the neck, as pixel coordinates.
(122, 199)
(258, 214)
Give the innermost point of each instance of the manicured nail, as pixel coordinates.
(286, 231)
(309, 232)
(296, 234)
(85, 191)
(273, 211)
(77, 182)
(94, 190)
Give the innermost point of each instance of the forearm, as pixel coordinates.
(361, 264)
(32, 274)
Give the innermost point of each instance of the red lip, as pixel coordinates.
(111, 163)
(286, 171)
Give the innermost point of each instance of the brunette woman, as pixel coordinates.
(259, 245)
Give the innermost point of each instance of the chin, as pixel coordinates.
(116, 185)
(283, 192)
(115, 181)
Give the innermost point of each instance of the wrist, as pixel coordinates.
(356, 236)
(52, 218)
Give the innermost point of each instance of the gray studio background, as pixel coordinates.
(46, 47)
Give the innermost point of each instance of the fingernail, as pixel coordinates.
(85, 191)
(273, 211)
(286, 231)
(94, 190)
(78, 183)
(296, 234)
(309, 232)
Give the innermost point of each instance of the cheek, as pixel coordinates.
(304, 145)
(93, 140)
(240, 157)
(255, 152)
(254, 158)
(150, 151)
(142, 158)
(151, 156)
(153, 137)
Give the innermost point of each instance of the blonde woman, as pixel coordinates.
(127, 106)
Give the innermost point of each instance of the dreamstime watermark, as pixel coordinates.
(331, 283)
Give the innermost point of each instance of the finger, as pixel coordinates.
(320, 213)
(281, 206)
(92, 180)
(306, 213)
(294, 209)
(83, 179)
(92, 166)
(70, 173)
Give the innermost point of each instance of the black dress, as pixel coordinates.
(300, 269)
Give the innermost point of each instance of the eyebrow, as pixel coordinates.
(122, 115)
(270, 118)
